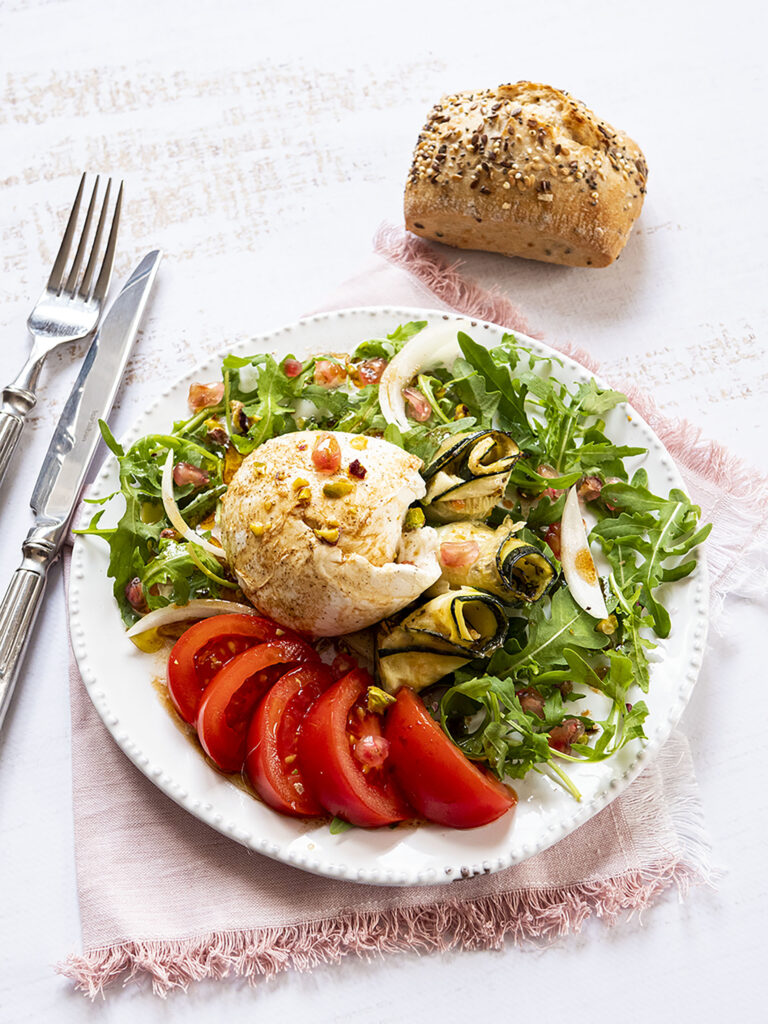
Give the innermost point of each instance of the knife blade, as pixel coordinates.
(66, 466)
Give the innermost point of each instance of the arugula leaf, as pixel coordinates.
(568, 625)
(506, 737)
(109, 439)
(655, 529)
(386, 349)
(511, 396)
(337, 825)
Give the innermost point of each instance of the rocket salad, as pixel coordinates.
(524, 706)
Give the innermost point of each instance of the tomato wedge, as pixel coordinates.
(362, 795)
(438, 780)
(232, 695)
(201, 651)
(271, 760)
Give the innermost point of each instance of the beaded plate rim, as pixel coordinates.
(328, 860)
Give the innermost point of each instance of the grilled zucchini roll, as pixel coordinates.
(468, 476)
(473, 555)
(439, 637)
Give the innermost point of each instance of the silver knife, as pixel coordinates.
(66, 465)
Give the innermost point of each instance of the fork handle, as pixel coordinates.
(17, 403)
(18, 611)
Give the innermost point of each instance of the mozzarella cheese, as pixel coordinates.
(324, 564)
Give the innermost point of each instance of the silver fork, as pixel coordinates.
(64, 312)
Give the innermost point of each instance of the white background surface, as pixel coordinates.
(262, 145)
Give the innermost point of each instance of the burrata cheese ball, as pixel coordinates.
(313, 526)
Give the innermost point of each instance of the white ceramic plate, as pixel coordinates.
(119, 678)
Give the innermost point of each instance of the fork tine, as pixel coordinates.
(90, 270)
(54, 281)
(105, 275)
(72, 279)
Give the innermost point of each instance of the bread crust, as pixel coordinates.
(525, 170)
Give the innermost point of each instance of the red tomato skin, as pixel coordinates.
(232, 695)
(188, 674)
(436, 778)
(273, 735)
(552, 537)
(330, 769)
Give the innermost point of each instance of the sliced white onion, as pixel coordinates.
(173, 513)
(248, 380)
(578, 565)
(435, 345)
(202, 608)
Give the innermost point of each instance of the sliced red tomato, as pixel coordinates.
(271, 759)
(361, 793)
(204, 648)
(232, 695)
(438, 780)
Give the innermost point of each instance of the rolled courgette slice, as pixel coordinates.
(504, 565)
(439, 637)
(469, 475)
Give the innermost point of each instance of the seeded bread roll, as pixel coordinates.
(525, 170)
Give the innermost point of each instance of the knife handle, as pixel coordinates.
(17, 403)
(18, 611)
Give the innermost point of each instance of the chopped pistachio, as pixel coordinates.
(300, 482)
(359, 441)
(328, 534)
(338, 488)
(304, 496)
(608, 626)
(378, 700)
(269, 504)
(258, 468)
(151, 512)
(461, 411)
(414, 519)
(256, 528)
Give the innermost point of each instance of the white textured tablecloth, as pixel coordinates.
(261, 149)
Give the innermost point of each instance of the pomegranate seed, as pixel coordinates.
(217, 435)
(202, 395)
(367, 372)
(326, 454)
(329, 374)
(419, 408)
(186, 473)
(357, 469)
(134, 594)
(552, 537)
(291, 367)
(590, 488)
(563, 735)
(531, 702)
(372, 750)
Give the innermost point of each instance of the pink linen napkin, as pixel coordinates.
(162, 895)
